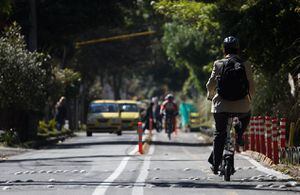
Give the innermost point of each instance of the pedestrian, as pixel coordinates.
(157, 119)
(184, 112)
(152, 112)
(60, 113)
(229, 95)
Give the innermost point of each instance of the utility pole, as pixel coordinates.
(32, 45)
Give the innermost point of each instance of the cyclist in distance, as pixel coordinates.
(230, 94)
(169, 108)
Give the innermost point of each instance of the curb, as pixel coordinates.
(206, 139)
(259, 157)
(6, 152)
(292, 171)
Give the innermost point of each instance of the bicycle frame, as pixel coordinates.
(169, 125)
(227, 168)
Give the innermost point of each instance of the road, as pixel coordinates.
(109, 164)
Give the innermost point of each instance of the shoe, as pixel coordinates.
(215, 170)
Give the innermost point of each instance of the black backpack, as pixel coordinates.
(233, 84)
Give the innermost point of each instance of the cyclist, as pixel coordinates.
(222, 108)
(169, 108)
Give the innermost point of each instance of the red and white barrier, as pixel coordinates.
(275, 141)
(257, 134)
(268, 126)
(246, 138)
(265, 134)
(282, 132)
(252, 134)
(262, 135)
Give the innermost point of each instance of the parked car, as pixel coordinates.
(130, 114)
(103, 116)
(194, 118)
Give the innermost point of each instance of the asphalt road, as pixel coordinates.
(109, 164)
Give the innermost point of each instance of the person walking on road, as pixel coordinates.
(60, 113)
(229, 95)
(153, 112)
(184, 112)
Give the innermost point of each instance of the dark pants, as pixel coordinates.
(221, 120)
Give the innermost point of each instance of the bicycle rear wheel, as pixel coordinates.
(228, 166)
(169, 128)
(227, 171)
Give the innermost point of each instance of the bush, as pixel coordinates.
(47, 129)
(23, 81)
(22, 75)
(10, 138)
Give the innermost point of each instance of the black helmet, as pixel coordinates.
(231, 43)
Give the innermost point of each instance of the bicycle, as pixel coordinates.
(227, 165)
(158, 125)
(169, 125)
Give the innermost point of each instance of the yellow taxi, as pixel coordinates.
(130, 114)
(194, 118)
(103, 116)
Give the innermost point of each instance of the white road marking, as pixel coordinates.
(102, 188)
(138, 186)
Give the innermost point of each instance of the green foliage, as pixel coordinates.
(266, 28)
(269, 33)
(45, 128)
(67, 82)
(5, 7)
(48, 129)
(198, 15)
(190, 37)
(9, 138)
(273, 97)
(22, 76)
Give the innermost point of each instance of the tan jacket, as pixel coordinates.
(221, 105)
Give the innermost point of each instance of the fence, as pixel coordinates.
(267, 135)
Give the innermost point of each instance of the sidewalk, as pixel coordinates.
(5, 152)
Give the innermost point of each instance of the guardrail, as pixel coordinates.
(267, 135)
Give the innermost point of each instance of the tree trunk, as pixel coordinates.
(117, 83)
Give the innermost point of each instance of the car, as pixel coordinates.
(130, 114)
(103, 116)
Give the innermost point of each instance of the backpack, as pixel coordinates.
(169, 107)
(233, 84)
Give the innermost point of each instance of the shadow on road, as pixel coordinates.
(65, 158)
(168, 143)
(84, 144)
(236, 185)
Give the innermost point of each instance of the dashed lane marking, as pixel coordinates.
(102, 188)
(138, 188)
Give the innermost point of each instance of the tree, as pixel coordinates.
(190, 37)
(23, 82)
(268, 31)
